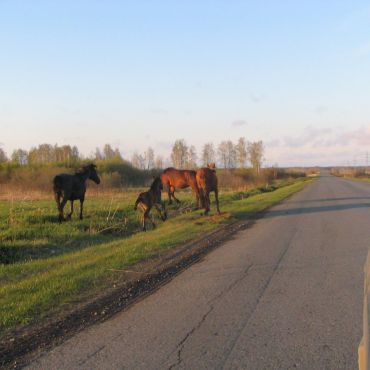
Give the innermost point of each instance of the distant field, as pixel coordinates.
(45, 264)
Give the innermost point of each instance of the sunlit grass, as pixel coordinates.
(54, 264)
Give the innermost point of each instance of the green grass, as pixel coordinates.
(46, 265)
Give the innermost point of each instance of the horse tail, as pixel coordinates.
(138, 200)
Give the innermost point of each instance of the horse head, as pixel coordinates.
(93, 175)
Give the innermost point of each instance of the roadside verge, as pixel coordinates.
(133, 282)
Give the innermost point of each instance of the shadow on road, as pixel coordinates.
(330, 199)
(302, 210)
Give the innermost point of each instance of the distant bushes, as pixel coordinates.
(247, 178)
(350, 171)
(114, 174)
(117, 173)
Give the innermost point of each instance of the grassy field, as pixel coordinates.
(45, 265)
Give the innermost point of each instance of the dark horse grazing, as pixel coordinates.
(207, 182)
(179, 179)
(72, 187)
(150, 198)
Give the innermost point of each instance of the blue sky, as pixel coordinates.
(295, 74)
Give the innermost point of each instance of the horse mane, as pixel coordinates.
(82, 170)
(155, 183)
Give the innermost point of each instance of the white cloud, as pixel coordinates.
(310, 136)
(256, 98)
(238, 123)
(320, 146)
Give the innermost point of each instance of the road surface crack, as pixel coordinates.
(180, 346)
(91, 355)
(264, 288)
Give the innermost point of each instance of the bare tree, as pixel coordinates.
(158, 162)
(20, 157)
(3, 156)
(108, 152)
(227, 154)
(192, 157)
(117, 154)
(255, 153)
(149, 158)
(138, 161)
(179, 154)
(75, 153)
(208, 154)
(43, 154)
(241, 152)
(222, 153)
(98, 155)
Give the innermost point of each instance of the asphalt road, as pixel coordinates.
(284, 294)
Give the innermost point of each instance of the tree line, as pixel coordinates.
(226, 154)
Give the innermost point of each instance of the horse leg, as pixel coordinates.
(197, 196)
(172, 189)
(81, 208)
(164, 211)
(202, 198)
(207, 202)
(163, 215)
(70, 214)
(148, 216)
(57, 199)
(151, 220)
(217, 203)
(62, 204)
(169, 195)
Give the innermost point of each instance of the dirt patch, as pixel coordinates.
(19, 347)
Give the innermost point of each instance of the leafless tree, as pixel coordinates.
(138, 161)
(255, 153)
(179, 154)
(149, 158)
(20, 157)
(227, 154)
(241, 152)
(3, 156)
(192, 157)
(98, 155)
(158, 162)
(108, 151)
(208, 154)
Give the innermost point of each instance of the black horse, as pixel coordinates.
(72, 187)
(149, 199)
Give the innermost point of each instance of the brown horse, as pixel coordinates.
(207, 182)
(174, 179)
(149, 199)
